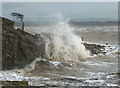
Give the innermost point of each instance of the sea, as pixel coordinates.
(69, 63)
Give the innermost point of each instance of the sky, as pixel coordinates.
(77, 11)
(60, 0)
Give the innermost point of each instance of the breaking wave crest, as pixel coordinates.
(62, 43)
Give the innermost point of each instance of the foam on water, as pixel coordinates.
(98, 63)
(97, 29)
(55, 63)
(62, 43)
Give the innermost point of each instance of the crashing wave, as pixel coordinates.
(62, 43)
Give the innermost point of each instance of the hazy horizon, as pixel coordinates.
(76, 11)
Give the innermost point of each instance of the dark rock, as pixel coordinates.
(24, 87)
(15, 83)
(95, 49)
(19, 48)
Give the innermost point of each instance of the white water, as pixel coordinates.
(62, 43)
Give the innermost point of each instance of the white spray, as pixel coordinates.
(62, 43)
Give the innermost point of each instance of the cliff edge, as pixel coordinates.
(19, 48)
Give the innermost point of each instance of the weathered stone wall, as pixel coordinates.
(19, 48)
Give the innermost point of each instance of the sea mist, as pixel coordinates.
(62, 43)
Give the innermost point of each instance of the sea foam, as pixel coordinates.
(62, 43)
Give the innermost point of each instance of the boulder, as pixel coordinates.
(95, 49)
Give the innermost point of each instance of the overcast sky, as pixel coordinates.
(73, 10)
(60, 0)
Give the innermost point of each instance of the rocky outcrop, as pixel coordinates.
(95, 49)
(19, 48)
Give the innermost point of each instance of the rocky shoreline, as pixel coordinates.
(95, 49)
(20, 48)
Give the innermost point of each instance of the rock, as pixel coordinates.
(22, 87)
(15, 83)
(95, 49)
(19, 48)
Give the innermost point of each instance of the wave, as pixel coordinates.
(62, 43)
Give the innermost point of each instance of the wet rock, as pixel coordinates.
(15, 83)
(19, 48)
(95, 49)
(22, 87)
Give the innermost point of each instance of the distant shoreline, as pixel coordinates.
(95, 23)
(72, 23)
